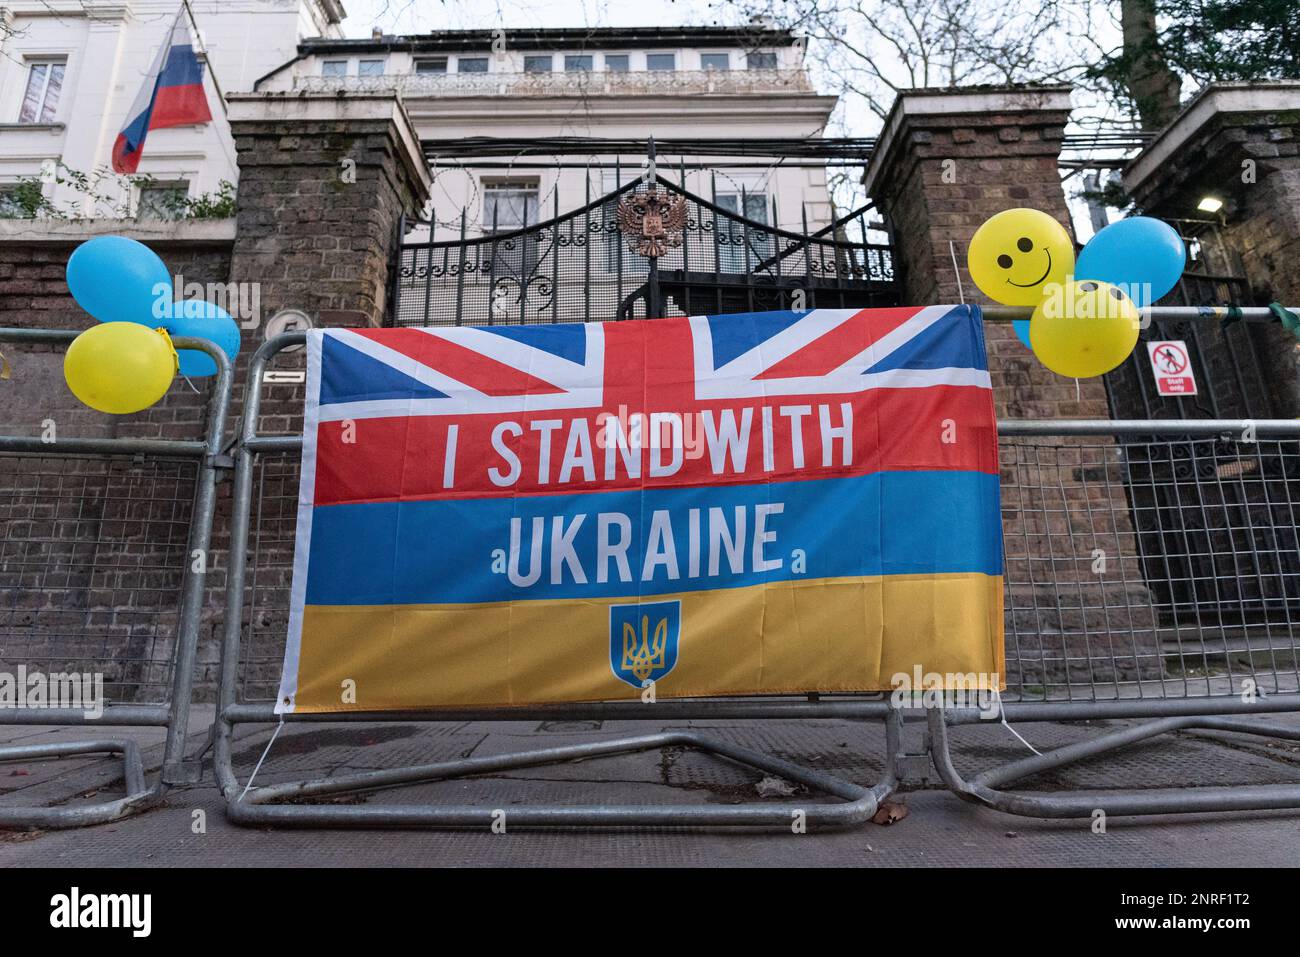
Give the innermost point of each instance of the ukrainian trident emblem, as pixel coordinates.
(643, 640)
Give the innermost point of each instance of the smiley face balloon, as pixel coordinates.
(1018, 254)
(1084, 330)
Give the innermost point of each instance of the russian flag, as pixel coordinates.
(172, 95)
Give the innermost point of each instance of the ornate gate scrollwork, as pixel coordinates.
(646, 248)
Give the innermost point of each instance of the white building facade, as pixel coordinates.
(528, 88)
(70, 69)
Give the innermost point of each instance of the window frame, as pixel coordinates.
(49, 61)
(461, 61)
(626, 60)
(589, 68)
(421, 61)
(660, 69)
(8, 189)
(362, 62)
(533, 63)
(726, 61)
(173, 185)
(768, 57)
(731, 259)
(528, 188)
(325, 64)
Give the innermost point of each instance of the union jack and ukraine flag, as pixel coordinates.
(718, 505)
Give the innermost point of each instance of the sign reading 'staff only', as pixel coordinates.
(772, 502)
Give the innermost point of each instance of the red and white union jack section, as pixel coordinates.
(370, 373)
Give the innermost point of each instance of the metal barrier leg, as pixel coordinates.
(986, 788)
(173, 714)
(138, 795)
(258, 807)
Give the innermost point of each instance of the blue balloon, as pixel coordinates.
(202, 320)
(1143, 256)
(1022, 331)
(116, 279)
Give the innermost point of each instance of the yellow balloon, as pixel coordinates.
(120, 367)
(1017, 254)
(1087, 329)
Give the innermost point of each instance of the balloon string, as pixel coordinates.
(189, 383)
(952, 250)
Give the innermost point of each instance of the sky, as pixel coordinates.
(424, 16)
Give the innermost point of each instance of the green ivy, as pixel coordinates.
(109, 195)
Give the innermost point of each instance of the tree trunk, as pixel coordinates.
(1154, 87)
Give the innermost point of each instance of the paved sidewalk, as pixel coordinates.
(939, 830)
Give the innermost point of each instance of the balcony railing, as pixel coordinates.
(569, 83)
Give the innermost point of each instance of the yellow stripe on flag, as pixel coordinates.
(842, 634)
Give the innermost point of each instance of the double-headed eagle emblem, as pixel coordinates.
(652, 221)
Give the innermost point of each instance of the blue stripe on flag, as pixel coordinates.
(438, 552)
(350, 376)
(182, 67)
(735, 335)
(566, 341)
(955, 341)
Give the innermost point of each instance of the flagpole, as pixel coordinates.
(198, 36)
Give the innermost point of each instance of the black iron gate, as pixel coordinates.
(579, 266)
(1216, 520)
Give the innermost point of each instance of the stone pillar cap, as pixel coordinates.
(303, 107)
(1209, 102)
(948, 101)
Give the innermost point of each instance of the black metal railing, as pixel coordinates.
(578, 266)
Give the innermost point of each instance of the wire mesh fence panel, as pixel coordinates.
(1133, 569)
(93, 555)
(269, 574)
(1150, 568)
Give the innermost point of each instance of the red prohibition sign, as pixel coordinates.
(1169, 358)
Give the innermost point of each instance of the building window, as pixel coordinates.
(471, 64)
(579, 64)
(44, 83)
(715, 61)
(537, 64)
(507, 207)
(736, 236)
(334, 68)
(11, 203)
(661, 61)
(430, 64)
(616, 62)
(370, 68)
(761, 61)
(163, 200)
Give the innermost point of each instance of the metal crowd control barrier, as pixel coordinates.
(98, 576)
(1121, 604)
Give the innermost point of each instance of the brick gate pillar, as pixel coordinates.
(1239, 144)
(945, 162)
(323, 181)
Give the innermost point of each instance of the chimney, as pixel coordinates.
(376, 33)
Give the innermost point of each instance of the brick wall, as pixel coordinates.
(94, 549)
